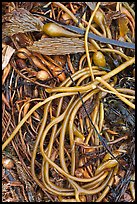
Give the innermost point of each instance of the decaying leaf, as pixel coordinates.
(20, 21)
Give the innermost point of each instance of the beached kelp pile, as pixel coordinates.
(68, 101)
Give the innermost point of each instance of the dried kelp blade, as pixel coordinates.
(20, 21)
(58, 46)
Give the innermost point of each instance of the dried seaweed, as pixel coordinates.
(58, 46)
(20, 21)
